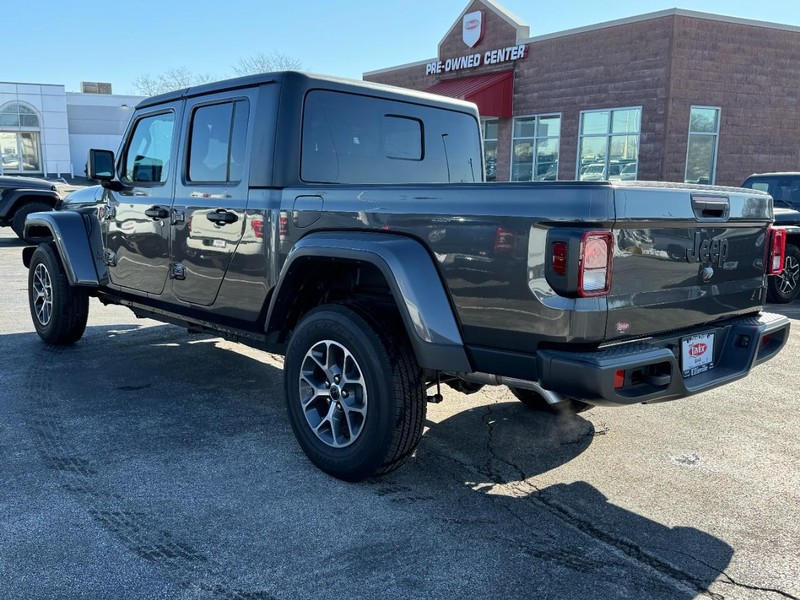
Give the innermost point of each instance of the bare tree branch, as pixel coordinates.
(178, 78)
(175, 78)
(265, 63)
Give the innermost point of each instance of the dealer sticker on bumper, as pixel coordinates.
(697, 354)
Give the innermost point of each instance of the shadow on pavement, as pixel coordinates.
(178, 446)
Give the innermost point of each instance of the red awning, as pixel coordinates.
(493, 93)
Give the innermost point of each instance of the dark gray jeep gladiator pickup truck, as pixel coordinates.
(348, 227)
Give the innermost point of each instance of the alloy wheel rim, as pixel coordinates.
(333, 394)
(789, 276)
(42, 295)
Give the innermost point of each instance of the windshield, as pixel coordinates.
(785, 190)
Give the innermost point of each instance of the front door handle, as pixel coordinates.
(222, 217)
(157, 212)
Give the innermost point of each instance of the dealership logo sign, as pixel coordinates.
(472, 34)
(472, 28)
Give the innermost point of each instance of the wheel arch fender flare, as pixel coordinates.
(69, 232)
(413, 281)
(11, 200)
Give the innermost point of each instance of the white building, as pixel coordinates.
(45, 130)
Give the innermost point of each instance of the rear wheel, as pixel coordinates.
(785, 287)
(355, 394)
(18, 222)
(537, 402)
(59, 310)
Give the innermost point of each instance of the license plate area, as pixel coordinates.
(697, 354)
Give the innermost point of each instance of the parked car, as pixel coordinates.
(629, 172)
(785, 191)
(21, 196)
(593, 172)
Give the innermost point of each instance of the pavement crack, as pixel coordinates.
(729, 580)
(627, 547)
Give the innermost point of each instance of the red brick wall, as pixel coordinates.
(753, 75)
(408, 77)
(615, 67)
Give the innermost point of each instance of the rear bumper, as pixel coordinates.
(652, 367)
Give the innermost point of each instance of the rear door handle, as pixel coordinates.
(157, 212)
(222, 217)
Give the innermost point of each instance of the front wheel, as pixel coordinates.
(59, 310)
(785, 287)
(354, 391)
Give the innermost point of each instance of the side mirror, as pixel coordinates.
(100, 165)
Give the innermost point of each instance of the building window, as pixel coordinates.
(20, 147)
(608, 148)
(534, 148)
(701, 153)
(489, 129)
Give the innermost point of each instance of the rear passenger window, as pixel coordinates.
(350, 138)
(217, 143)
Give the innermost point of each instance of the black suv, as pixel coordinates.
(785, 191)
(22, 196)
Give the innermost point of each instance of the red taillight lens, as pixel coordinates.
(503, 241)
(560, 258)
(284, 226)
(258, 228)
(777, 250)
(619, 379)
(594, 277)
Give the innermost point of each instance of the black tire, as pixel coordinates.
(59, 310)
(389, 429)
(535, 401)
(22, 212)
(785, 287)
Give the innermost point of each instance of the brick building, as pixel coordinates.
(674, 95)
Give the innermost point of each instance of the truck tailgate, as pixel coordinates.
(685, 256)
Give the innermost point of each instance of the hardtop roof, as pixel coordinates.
(311, 81)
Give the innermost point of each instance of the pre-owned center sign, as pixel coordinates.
(469, 61)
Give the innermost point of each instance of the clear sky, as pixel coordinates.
(69, 41)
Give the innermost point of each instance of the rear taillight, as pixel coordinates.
(258, 228)
(503, 241)
(777, 250)
(594, 275)
(560, 258)
(283, 230)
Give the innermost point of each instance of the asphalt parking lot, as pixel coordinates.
(145, 462)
